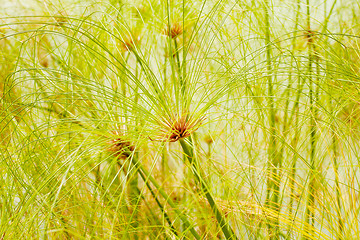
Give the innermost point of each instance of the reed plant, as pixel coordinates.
(180, 119)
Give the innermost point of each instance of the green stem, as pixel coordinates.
(189, 152)
(309, 214)
(334, 140)
(274, 162)
(146, 178)
(181, 79)
(337, 183)
(100, 186)
(289, 121)
(134, 194)
(134, 199)
(167, 218)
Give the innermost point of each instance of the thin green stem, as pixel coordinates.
(180, 73)
(189, 153)
(334, 143)
(134, 194)
(309, 213)
(274, 162)
(146, 178)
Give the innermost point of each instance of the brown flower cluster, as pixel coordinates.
(120, 147)
(174, 30)
(130, 43)
(178, 127)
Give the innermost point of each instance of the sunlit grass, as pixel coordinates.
(179, 120)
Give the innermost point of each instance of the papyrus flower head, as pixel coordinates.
(119, 146)
(174, 30)
(177, 127)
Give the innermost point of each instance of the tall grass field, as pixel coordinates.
(179, 119)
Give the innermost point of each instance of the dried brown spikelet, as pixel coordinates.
(208, 139)
(178, 127)
(130, 43)
(120, 147)
(307, 38)
(174, 30)
(61, 18)
(43, 60)
(3, 39)
(43, 51)
(310, 35)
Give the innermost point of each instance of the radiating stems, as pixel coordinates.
(334, 146)
(288, 121)
(189, 153)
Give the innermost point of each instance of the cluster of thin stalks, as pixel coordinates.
(180, 120)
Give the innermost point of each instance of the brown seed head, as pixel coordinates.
(178, 127)
(310, 35)
(61, 18)
(208, 139)
(43, 46)
(130, 43)
(120, 147)
(174, 30)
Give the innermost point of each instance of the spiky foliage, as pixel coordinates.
(178, 127)
(179, 120)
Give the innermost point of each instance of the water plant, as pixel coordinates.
(180, 119)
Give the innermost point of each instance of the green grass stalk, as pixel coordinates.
(99, 185)
(334, 140)
(334, 144)
(225, 227)
(146, 177)
(153, 194)
(288, 120)
(164, 157)
(274, 162)
(310, 204)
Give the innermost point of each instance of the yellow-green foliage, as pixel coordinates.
(179, 119)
